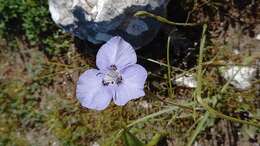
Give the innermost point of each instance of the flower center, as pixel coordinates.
(112, 76)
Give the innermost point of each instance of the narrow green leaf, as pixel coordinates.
(156, 139)
(130, 140)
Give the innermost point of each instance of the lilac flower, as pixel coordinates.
(118, 78)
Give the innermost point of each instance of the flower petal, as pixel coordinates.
(88, 83)
(116, 52)
(100, 100)
(132, 84)
(90, 91)
(134, 75)
(125, 93)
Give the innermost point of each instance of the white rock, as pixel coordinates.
(241, 76)
(186, 80)
(95, 144)
(60, 12)
(99, 20)
(258, 37)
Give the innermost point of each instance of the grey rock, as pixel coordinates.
(99, 20)
(241, 76)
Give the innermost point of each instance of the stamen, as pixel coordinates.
(112, 76)
(113, 67)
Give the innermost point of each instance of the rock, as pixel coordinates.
(186, 80)
(257, 37)
(99, 20)
(241, 77)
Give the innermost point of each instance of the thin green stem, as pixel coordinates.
(198, 129)
(151, 116)
(119, 133)
(162, 19)
(216, 113)
(161, 63)
(183, 106)
(170, 90)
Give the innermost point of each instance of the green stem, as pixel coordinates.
(151, 116)
(198, 129)
(170, 90)
(162, 19)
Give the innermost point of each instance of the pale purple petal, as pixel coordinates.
(134, 75)
(116, 52)
(100, 100)
(88, 84)
(125, 93)
(90, 91)
(132, 84)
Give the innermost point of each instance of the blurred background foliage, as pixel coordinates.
(40, 64)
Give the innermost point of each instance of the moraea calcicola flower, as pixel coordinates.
(117, 78)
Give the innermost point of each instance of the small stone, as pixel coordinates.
(186, 80)
(257, 37)
(241, 76)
